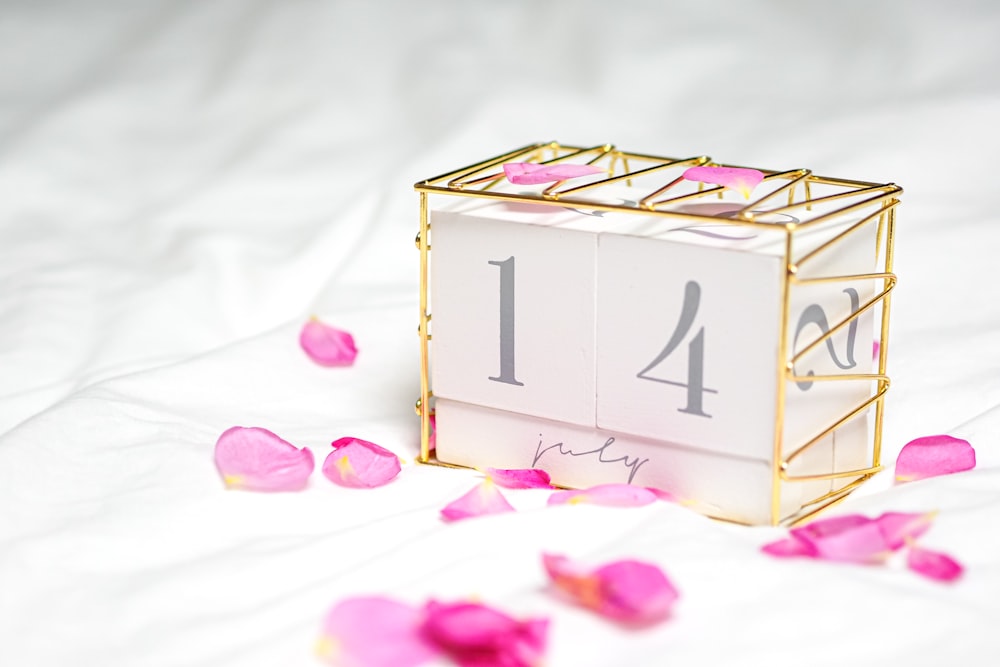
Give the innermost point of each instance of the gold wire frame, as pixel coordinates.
(479, 179)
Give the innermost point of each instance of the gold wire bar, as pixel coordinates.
(883, 388)
(848, 278)
(485, 164)
(890, 242)
(834, 329)
(822, 477)
(790, 186)
(837, 496)
(836, 239)
(691, 195)
(838, 378)
(835, 213)
(622, 177)
(425, 408)
(783, 371)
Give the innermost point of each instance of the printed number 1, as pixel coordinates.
(506, 322)
(696, 354)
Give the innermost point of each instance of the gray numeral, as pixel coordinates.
(506, 322)
(815, 314)
(696, 354)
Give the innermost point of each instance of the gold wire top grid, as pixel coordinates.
(815, 200)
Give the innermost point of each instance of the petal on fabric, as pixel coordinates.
(528, 478)
(375, 632)
(788, 548)
(255, 459)
(326, 345)
(530, 173)
(665, 496)
(900, 528)
(630, 591)
(360, 464)
(850, 538)
(933, 565)
(485, 498)
(735, 178)
(475, 635)
(613, 495)
(932, 456)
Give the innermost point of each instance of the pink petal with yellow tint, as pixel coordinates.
(375, 632)
(475, 635)
(851, 538)
(326, 345)
(665, 496)
(735, 178)
(788, 548)
(485, 498)
(530, 173)
(630, 591)
(256, 459)
(529, 478)
(613, 495)
(932, 456)
(900, 528)
(933, 565)
(360, 464)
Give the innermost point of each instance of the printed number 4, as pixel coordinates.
(696, 354)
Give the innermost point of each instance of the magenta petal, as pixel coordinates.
(788, 548)
(529, 478)
(432, 438)
(327, 346)
(475, 635)
(375, 632)
(257, 460)
(530, 173)
(360, 464)
(665, 496)
(735, 178)
(934, 455)
(627, 590)
(933, 565)
(851, 538)
(614, 495)
(899, 528)
(485, 498)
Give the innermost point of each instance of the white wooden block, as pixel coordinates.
(513, 316)
(725, 486)
(688, 339)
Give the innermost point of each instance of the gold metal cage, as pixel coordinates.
(793, 192)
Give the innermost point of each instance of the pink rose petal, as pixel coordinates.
(901, 528)
(432, 439)
(788, 548)
(255, 459)
(627, 590)
(934, 455)
(735, 178)
(933, 565)
(475, 635)
(485, 498)
(851, 538)
(530, 173)
(360, 464)
(327, 346)
(875, 350)
(614, 495)
(529, 478)
(665, 496)
(375, 632)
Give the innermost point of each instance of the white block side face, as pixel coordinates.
(513, 316)
(724, 486)
(688, 342)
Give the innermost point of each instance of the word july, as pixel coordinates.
(632, 463)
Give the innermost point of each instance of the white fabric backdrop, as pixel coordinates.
(183, 183)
